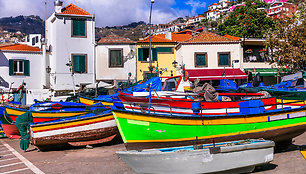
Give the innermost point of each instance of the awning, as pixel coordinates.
(263, 71)
(215, 74)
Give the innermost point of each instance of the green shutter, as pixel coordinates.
(76, 63)
(79, 63)
(11, 67)
(82, 27)
(79, 28)
(82, 65)
(26, 67)
(140, 54)
(154, 54)
(164, 49)
(224, 59)
(76, 31)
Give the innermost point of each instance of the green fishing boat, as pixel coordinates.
(142, 130)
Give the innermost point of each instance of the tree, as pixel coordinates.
(288, 41)
(247, 21)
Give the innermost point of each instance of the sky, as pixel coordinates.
(112, 12)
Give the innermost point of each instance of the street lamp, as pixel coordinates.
(150, 33)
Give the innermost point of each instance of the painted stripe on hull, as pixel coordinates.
(56, 114)
(87, 101)
(91, 101)
(99, 125)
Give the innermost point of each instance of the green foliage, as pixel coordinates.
(247, 21)
(288, 41)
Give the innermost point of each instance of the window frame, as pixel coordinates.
(148, 60)
(78, 36)
(229, 59)
(25, 67)
(86, 63)
(195, 59)
(109, 58)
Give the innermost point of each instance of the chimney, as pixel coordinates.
(168, 35)
(58, 6)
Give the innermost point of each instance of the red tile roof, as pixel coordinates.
(231, 37)
(208, 37)
(72, 9)
(115, 39)
(181, 37)
(156, 38)
(162, 38)
(20, 47)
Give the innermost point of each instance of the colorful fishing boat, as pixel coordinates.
(48, 111)
(80, 130)
(108, 100)
(143, 130)
(201, 158)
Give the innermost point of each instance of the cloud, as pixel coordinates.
(107, 12)
(195, 5)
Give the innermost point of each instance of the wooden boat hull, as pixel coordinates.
(42, 116)
(142, 131)
(207, 159)
(184, 106)
(73, 130)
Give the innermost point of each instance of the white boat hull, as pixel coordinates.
(229, 159)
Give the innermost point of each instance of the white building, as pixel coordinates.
(33, 40)
(22, 63)
(116, 58)
(70, 40)
(209, 56)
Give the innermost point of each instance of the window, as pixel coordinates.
(19, 67)
(78, 28)
(224, 59)
(115, 57)
(143, 54)
(200, 59)
(79, 63)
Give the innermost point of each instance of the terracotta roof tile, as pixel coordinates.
(208, 37)
(175, 38)
(181, 37)
(156, 38)
(115, 39)
(231, 37)
(74, 10)
(20, 47)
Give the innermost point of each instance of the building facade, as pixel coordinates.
(70, 40)
(116, 59)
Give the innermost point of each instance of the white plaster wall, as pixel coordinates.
(185, 54)
(62, 48)
(106, 73)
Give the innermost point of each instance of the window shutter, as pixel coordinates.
(76, 63)
(11, 67)
(164, 49)
(224, 59)
(82, 64)
(140, 54)
(154, 54)
(26, 67)
(82, 27)
(76, 30)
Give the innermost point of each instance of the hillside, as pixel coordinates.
(24, 24)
